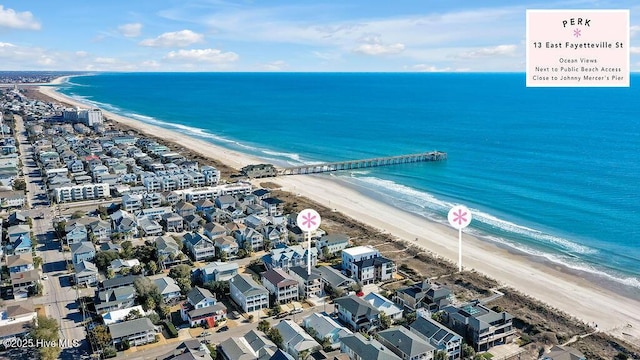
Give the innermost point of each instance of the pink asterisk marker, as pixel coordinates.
(460, 217)
(308, 220)
(576, 33)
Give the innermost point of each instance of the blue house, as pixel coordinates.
(21, 245)
(76, 233)
(82, 251)
(16, 231)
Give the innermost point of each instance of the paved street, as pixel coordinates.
(59, 297)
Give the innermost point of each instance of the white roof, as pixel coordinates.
(115, 316)
(359, 250)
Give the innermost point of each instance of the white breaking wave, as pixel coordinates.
(425, 201)
(292, 156)
(411, 195)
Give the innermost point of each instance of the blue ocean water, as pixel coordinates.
(553, 172)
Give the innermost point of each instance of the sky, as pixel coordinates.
(258, 35)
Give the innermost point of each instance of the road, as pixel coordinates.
(59, 297)
(217, 337)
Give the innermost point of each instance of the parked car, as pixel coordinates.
(224, 328)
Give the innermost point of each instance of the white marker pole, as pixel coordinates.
(308, 252)
(459, 217)
(460, 250)
(308, 220)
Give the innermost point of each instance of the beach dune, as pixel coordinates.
(613, 313)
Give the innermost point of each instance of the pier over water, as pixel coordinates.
(364, 163)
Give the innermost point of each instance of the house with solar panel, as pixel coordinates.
(479, 325)
(438, 335)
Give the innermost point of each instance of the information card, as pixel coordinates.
(578, 48)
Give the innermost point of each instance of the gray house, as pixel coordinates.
(438, 335)
(81, 251)
(483, 326)
(406, 344)
(357, 313)
(356, 346)
(137, 332)
(248, 294)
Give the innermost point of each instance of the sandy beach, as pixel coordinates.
(615, 314)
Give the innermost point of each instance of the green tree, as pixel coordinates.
(37, 261)
(125, 271)
(303, 355)
(102, 212)
(127, 249)
(47, 330)
(275, 336)
(385, 321)
(100, 336)
(180, 271)
(19, 184)
(264, 326)
(104, 258)
(438, 316)
(219, 288)
(149, 304)
(136, 269)
(145, 253)
(147, 290)
(223, 256)
(276, 309)
(152, 267)
(132, 315)
(164, 311)
(60, 227)
(184, 284)
(325, 252)
(326, 344)
(441, 355)
(242, 253)
(78, 214)
(468, 351)
(110, 274)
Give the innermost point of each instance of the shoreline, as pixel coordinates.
(549, 284)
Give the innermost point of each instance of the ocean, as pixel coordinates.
(550, 172)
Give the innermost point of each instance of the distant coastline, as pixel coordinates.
(552, 284)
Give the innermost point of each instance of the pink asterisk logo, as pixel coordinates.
(459, 217)
(308, 220)
(576, 33)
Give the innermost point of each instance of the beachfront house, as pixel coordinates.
(333, 243)
(481, 326)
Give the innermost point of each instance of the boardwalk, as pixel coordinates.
(364, 163)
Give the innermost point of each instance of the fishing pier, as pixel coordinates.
(268, 170)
